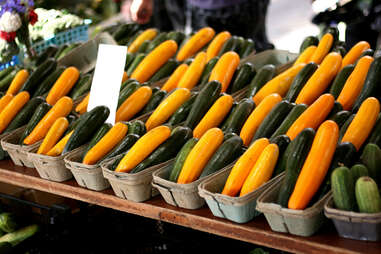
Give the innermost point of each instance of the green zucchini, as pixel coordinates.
(82, 87)
(71, 118)
(367, 52)
(357, 171)
(122, 31)
(167, 150)
(204, 100)
(228, 135)
(182, 112)
(60, 50)
(375, 135)
(247, 49)
(207, 70)
(129, 59)
(339, 81)
(345, 126)
(337, 107)
(265, 74)
(66, 50)
(18, 236)
(154, 89)
(143, 47)
(282, 141)
(116, 161)
(189, 61)
(5, 72)
(127, 142)
(292, 161)
(138, 58)
(39, 74)
(243, 75)
(49, 81)
(240, 41)
(177, 36)
(161, 37)
(154, 101)
(295, 112)
(300, 80)
(7, 80)
(370, 87)
(38, 114)
(339, 49)
(273, 119)
(50, 51)
(367, 195)
(97, 136)
(137, 127)
(25, 114)
(334, 31)
(75, 123)
(165, 71)
(127, 91)
(343, 189)
(87, 127)
(128, 81)
(226, 153)
(238, 116)
(180, 159)
(130, 39)
(228, 45)
(340, 117)
(371, 158)
(308, 41)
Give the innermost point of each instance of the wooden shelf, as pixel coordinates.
(257, 231)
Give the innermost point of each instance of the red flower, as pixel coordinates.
(33, 17)
(8, 36)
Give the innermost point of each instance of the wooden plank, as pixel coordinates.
(257, 231)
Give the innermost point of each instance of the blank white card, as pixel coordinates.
(107, 78)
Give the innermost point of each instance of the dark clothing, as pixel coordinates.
(214, 4)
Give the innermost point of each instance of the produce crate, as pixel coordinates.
(50, 167)
(18, 153)
(72, 35)
(135, 187)
(14, 61)
(358, 226)
(297, 222)
(237, 209)
(88, 176)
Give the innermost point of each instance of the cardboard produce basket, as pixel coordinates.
(87, 176)
(297, 222)
(18, 153)
(50, 167)
(181, 195)
(237, 209)
(358, 226)
(134, 187)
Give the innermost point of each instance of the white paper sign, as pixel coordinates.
(107, 78)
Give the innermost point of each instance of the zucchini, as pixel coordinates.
(295, 112)
(87, 127)
(161, 37)
(357, 171)
(300, 80)
(127, 142)
(343, 189)
(337, 107)
(273, 119)
(137, 127)
(82, 87)
(31, 84)
(165, 71)
(370, 87)
(129, 59)
(7, 80)
(116, 162)
(226, 153)
(335, 33)
(247, 49)
(49, 81)
(167, 150)
(182, 112)
(238, 116)
(367, 52)
(50, 51)
(154, 101)
(19, 235)
(339, 81)
(242, 77)
(189, 61)
(66, 50)
(238, 44)
(367, 195)
(375, 136)
(308, 41)
(340, 49)
(71, 118)
(228, 135)
(127, 91)
(60, 50)
(5, 72)
(292, 161)
(97, 136)
(122, 31)
(127, 82)
(207, 70)
(282, 141)
(340, 117)
(25, 114)
(265, 74)
(371, 158)
(345, 126)
(138, 58)
(204, 100)
(40, 112)
(177, 36)
(180, 159)
(143, 47)
(228, 45)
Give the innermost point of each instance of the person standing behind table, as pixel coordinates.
(246, 18)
